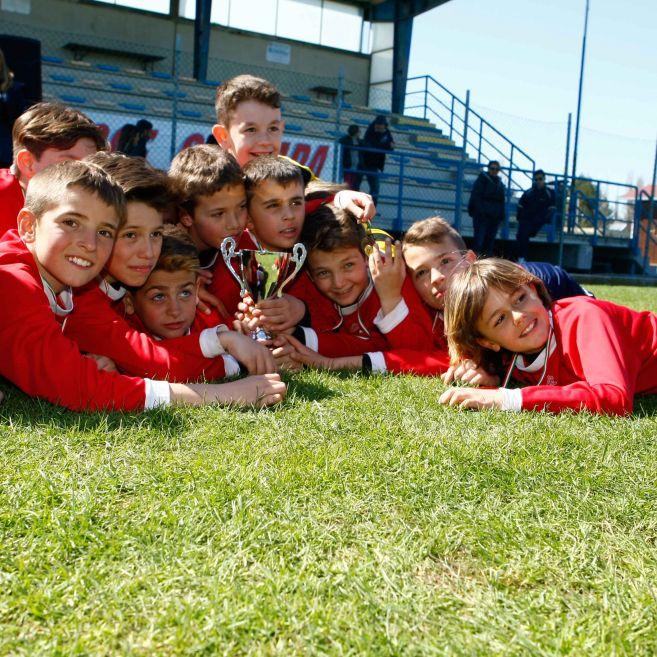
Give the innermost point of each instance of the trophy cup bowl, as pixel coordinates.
(262, 274)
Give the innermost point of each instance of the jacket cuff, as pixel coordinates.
(158, 393)
(310, 338)
(209, 342)
(512, 400)
(378, 361)
(231, 365)
(389, 322)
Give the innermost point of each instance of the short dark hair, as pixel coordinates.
(352, 130)
(241, 89)
(539, 172)
(139, 180)
(279, 169)
(329, 228)
(492, 162)
(48, 186)
(52, 125)
(202, 170)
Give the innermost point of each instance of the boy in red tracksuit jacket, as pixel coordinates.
(44, 134)
(65, 235)
(577, 353)
(374, 316)
(99, 325)
(434, 251)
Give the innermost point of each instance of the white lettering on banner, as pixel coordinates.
(316, 154)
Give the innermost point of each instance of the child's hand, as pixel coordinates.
(359, 204)
(467, 371)
(475, 398)
(388, 273)
(283, 354)
(301, 355)
(281, 313)
(103, 363)
(207, 300)
(253, 355)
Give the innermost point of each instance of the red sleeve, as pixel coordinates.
(322, 312)
(415, 331)
(100, 329)
(11, 201)
(43, 363)
(599, 352)
(422, 363)
(224, 286)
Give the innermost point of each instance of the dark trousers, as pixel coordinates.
(353, 180)
(485, 231)
(526, 230)
(374, 184)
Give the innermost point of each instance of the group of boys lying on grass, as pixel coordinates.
(157, 310)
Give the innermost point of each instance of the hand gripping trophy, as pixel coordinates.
(262, 274)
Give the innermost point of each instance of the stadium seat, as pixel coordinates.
(319, 115)
(51, 59)
(62, 77)
(77, 100)
(293, 127)
(192, 114)
(301, 97)
(160, 75)
(121, 86)
(108, 67)
(135, 107)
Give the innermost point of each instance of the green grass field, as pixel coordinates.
(358, 518)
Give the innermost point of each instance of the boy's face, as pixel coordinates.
(215, 217)
(341, 275)
(432, 266)
(276, 214)
(166, 304)
(255, 129)
(72, 241)
(137, 247)
(517, 321)
(28, 165)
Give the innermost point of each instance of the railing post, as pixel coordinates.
(176, 90)
(460, 171)
(564, 192)
(646, 247)
(426, 95)
(451, 119)
(481, 134)
(400, 195)
(337, 151)
(507, 204)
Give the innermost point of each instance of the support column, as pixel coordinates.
(202, 39)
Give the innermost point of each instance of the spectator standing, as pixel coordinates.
(535, 208)
(133, 138)
(12, 105)
(486, 207)
(377, 136)
(352, 161)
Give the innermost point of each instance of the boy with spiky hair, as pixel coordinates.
(99, 325)
(65, 234)
(44, 134)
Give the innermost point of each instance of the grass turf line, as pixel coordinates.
(358, 518)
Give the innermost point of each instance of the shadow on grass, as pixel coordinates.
(305, 390)
(24, 412)
(645, 406)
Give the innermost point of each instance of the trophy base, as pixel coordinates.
(260, 335)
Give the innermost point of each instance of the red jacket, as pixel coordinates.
(604, 354)
(99, 326)
(38, 358)
(11, 200)
(359, 329)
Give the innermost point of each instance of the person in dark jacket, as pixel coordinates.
(377, 136)
(486, 207)
(12, 104)
(535, 208)
(352, 160)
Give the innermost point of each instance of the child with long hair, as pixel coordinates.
(577, 353)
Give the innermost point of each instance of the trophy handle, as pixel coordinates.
(228, 252)
(298, 258)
